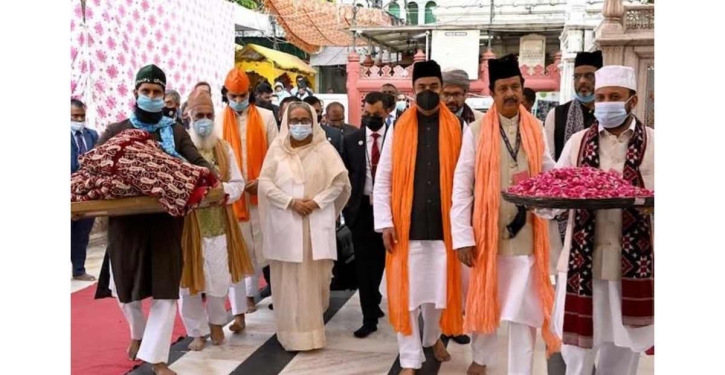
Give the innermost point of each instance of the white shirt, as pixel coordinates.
(608, 227)
(368, 189)
(382, 211)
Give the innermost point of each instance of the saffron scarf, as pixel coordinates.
(405, 145)
(166, 132)
(240, 266)
(483, 309)
(637, 251)
(256, 150)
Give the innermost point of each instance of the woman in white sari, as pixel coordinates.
(302, 189)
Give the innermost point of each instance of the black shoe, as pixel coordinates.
(365, 330)
(381, 314)
(266, 292)
(462, 339)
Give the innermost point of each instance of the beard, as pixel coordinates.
(204, 144)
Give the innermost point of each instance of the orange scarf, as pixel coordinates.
(405, 145)
(256, 150)
(483, 307)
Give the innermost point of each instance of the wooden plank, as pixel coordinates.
(132, 206)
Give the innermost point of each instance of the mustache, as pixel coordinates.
(512, 100)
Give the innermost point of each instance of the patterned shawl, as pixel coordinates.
(166, 130)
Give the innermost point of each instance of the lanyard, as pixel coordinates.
(512, 152)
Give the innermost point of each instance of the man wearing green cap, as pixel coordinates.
(144, 257)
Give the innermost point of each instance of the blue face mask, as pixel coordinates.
(203, 127)
(150, 105)
(76, 126)
(611, 114)
(239, 106)
(584, 99)
(401, 105)
(300, 132)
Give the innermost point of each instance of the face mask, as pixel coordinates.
(239, 106)
(300, 132)
(427, 100)
(150, 105)
(373, 123)
(611, 114)
(400, 105)
(76, 126)
(203, 127)
(170, 112)
(584, 99)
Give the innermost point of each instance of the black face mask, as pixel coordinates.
(427, 100)
(148, 117)
(373, 123)
(170, 112)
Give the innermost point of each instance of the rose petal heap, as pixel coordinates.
(579, 183)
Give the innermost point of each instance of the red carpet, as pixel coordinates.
(100, 335)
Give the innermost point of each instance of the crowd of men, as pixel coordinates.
(424, 208)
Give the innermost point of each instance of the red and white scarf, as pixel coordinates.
(637, 256)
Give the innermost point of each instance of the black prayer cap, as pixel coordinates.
(151, 74)
(589, 58)
(429, 68)
(505, 67)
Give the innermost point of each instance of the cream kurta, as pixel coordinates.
(607, 290)
(516, 286)
(251, 230)
(301, 250)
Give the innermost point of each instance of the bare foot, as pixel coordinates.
(197, 344)
(407, 371)
(239, 324)
(84, 277)
(162, 369)
(251, 306)
(217, 334)
(133, 349)
(440, 353)
(476, 369)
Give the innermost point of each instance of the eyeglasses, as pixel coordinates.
(295, 121)
(587, 76)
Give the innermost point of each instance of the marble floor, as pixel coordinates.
(257, 351)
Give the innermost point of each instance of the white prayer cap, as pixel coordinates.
(615, 75)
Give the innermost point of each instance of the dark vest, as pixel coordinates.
(426, 223)
(560, 114)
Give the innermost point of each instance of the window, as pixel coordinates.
(429, 17)
(394, 9)
(412, 14)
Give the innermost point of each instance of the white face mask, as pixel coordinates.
(76, 125)
(611, 114)
(300, 131)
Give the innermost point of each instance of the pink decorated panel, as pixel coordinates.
(191, 40)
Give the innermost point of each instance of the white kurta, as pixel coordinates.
(607, 289)
(517, 291)
(427, 272)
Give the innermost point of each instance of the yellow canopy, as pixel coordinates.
(271, 64)
(281, 60)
